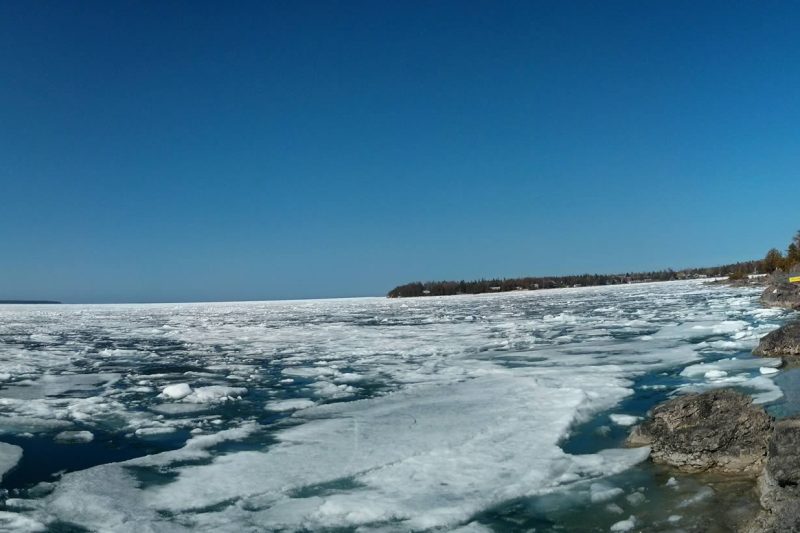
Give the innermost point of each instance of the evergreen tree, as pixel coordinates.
(793, 252)
(773, 261)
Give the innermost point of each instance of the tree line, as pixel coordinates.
(446, 288)
(774, 260)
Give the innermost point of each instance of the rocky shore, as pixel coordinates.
(784, 341)
(722, 431)
(780, 292)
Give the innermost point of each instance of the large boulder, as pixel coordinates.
(784, 341)
(779, 483)
(780, 292)
(720, 430)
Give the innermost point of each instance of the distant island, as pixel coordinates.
(28, 302)
(774, 260)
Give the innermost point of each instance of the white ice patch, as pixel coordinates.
(703, 494)
(429, 457)
(624, 525)
(635, 498)
(766, 390)
(732, 365)
(9, 457)
(177, 391)
(293, 404)
(214, 394)
(624, 420)
(74, 436)
(601, 492)
(724, 327)
(152, 431)
(19, 524)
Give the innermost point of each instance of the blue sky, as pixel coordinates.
(183, 151)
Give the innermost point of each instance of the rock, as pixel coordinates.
(779, 483)
(720, 430)
(784, 341)
(780, 292)
(783, 455)
(785, 519)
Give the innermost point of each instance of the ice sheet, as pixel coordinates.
(370, 413)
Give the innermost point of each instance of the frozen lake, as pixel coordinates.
(497, 412)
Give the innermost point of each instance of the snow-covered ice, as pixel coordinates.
(370, 413)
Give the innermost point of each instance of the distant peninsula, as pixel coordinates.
(774, 261)
(447, 288)
(28, 302)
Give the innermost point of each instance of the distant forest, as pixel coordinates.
(774, 260)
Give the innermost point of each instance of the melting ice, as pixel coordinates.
(467, 413)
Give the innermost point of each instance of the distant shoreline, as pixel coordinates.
(497, 285)
(23, 302)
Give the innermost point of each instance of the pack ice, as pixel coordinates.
(360, 413)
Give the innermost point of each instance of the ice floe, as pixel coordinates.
(624, 525)
(624, 420)
(176, 391)
(74, 436)
(9, 457)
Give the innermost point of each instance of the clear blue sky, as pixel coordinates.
(170, 151)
